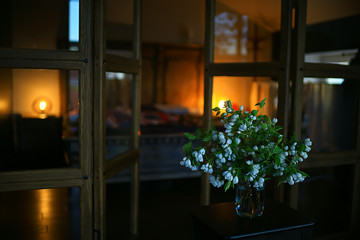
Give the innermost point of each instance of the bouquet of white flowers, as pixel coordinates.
(249, 149)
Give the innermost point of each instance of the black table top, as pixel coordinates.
(224, 221)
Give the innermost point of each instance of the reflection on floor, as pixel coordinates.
(53, 214)
(47, 214)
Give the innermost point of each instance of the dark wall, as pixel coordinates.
(328, 36)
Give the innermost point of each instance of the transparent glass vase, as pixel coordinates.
(249, 200)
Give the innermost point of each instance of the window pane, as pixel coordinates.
(243, 30)
(329, 34)
(330, 113)
(40, 214)
(40, 24)
(119, 27)
(246, 92)
(118, 113)
(39, 118)
(327, 190)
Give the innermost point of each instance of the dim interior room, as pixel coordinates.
(95, 98)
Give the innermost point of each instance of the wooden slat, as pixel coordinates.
(32, 185)
(121, 64)
(136, 106)
(85, 119)
(299, 55)
(270, 69)
(115, 165)
(208, 87)
(325, 70)
(285, 50)
(134, 198)
(330, 159)
(41, 54)
(355, 208)
(40, 64)
(99, 121)
(284, 85)
(40, 175)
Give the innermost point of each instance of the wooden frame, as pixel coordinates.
(63, 177)
(104, 169)
(290, 69)
(279, 69)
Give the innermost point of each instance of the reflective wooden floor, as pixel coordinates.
(53, 214)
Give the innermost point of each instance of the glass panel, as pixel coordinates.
(40, 24)
(243, 30)
(330, 113)
(39, 118)
(117, 208)
(119, 27)
(40, 214)
(246, 92)
(329, 33)
(343, 57)
(118, 113)
(325, 194)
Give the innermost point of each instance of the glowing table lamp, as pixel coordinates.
(42, 106)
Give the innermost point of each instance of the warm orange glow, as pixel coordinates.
(222, 104)
(42, 105)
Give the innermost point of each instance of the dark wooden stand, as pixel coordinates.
(220, 221)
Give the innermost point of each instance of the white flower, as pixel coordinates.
(275, 120)
(241, 108)
(237, 141)
(235, 180)
(202, 151)
(255, 148)
(249, 162)
(308, 142)
(242, 127)
(229, 110)
(214, 137)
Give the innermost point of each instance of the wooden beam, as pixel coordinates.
(208, 86)
(41, 54)
(40, 175)
(325, 70)
(328, 159)
(121, 64)
(99, 121)
(299, 55)
(272, 69)
(40, 63)
(118, 163)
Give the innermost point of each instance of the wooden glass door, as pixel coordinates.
(117, 76)
(46, 114)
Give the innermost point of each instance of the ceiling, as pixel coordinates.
(267, 12)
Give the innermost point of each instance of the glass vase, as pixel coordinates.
(249, 200)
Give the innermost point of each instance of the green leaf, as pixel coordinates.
(216, 109)
(277, 150)
(207, 138)
(262, 103)
(190, 136)
(227, 186)
(198, 133)
(277, 161)
(304, 174)
(229, 104)
(254, 112)
(187, 147)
